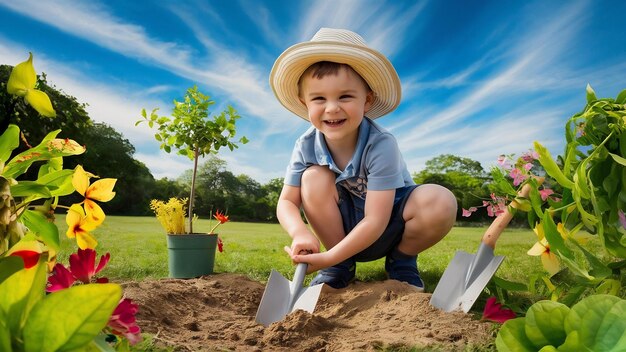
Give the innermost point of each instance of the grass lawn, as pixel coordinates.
(138, 250)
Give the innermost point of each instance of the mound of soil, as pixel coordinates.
(217, 312)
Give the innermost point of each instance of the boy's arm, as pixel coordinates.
(288, 214)
(378, 207)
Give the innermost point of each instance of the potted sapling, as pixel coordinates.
(193, 133)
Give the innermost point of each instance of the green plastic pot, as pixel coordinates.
(191, 255)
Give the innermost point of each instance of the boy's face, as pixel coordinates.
(336, 103)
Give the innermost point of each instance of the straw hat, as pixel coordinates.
(341, 46)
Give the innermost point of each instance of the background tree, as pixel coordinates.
(464, 177)
(108, 153)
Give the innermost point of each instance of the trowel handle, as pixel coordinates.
(500, 223)
(298, 276)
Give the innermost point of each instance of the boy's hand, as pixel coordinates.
(304, 242)
(316, 261)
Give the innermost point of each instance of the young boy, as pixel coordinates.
(346, 171)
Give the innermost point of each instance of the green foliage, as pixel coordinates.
(30, 320)
(596, 323)
(64, 320)
(51, 184)
(589, 181)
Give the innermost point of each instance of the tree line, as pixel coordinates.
(109, 154)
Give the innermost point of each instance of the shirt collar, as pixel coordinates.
(324, 158)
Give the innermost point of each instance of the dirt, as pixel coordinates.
(217, 312)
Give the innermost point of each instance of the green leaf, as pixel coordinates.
(535, 199)
(54, 164)
(618, 159)
(510, 285)
(551, 167)
(41, 226)
(599, 322)
(573, 344)
(591, 95)
(609, 287)
(544, 323)
(69, 319)
(21, 162)
(30, 189)
(580, 181)
(5, 333)
(60, 182)
(554, 237)
(621, 97)
(9, 266)
(573, 295)
(20, 292)
(598, 269)
(9, 140)
(512, 337)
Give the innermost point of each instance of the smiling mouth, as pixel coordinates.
(334, 123)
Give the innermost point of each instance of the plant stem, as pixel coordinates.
(193, 187)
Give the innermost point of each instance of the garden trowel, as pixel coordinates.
(467, 274)
(282, 296)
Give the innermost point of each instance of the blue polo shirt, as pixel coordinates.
(376, 164)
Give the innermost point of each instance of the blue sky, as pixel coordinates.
(480, 78)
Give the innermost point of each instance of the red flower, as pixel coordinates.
(30, 258)
(123, 322)
(220, 245)
(60, 279)
(221, 217)
(494, 311)
(83, 264)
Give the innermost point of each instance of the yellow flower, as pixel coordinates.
(101, 190)
(79, 225)
(549, 260)
(542, 248)
(22, 83)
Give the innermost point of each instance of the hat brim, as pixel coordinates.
(374, 67)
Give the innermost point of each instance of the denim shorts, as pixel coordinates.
(352, 210)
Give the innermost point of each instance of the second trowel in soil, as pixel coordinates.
(282, 296)
(467, 274)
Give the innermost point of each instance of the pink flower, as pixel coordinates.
(545, 193)
(60, 279)
(517, 176)
(622, 218)
(494, 311)
(83, 264)
(529, 157)
(528, 166)
(82, 268)
(468, 212)
(504, 162)
(123, 322)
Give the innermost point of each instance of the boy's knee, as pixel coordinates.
(317, 181)
(434, 204)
